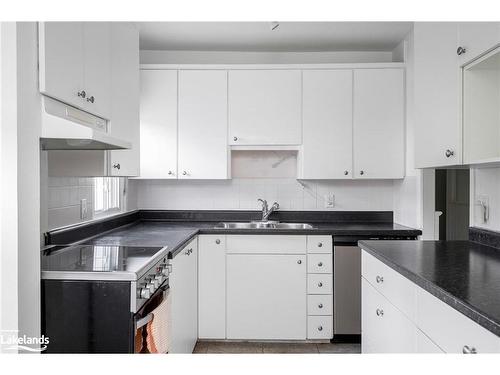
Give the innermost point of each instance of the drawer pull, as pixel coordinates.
(320, 284)
(380, 312)
(320, 306)
(469, 350)
(320, 328)
(379, 279)
(320, 244)
(299, 261)
(217, 241)
(320, 264)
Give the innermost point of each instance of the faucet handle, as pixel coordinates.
(276, 205)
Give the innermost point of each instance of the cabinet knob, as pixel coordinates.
(320, 264)
(217, 241)
(188, 252)
(449, 153)
(184, 173)
(346, 173)
(116, 166)
(320, 284)
(379, 279)
(461, 50)
(320, 328)
(361, 173)
(82, 94)
(235, 139)
(170, 173)
(320, 306)
(380, 312)
(91, 99)
(320, 244)
(469, 350)
(299, 261)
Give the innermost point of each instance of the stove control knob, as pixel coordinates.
(145, 293)
(151, 286)
(159, 278)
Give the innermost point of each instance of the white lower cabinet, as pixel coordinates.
(392, 322)
(384, 329)
(184, 293)
(212, 287)
(266, 297)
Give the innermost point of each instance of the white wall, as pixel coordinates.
(486, 182)
(242, 194)
(236, 57)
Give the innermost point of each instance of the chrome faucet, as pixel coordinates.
(266, 211)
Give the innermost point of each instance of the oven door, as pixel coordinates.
(151, 323)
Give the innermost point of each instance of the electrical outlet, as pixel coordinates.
(483, 201)
(83, 209)
(329, 200)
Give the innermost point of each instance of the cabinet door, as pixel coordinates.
(97, 67)
(212, 287)
(265, 107)
(203, 150)
(379, 145)
(477, 38)
(384, 329)
(327, 124)
(183, 284)
(61, 62)
(266, 297)
(158, 129)
(125, 97)
(437, 95)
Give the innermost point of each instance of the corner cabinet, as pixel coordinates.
(75, 64)
(183, 282)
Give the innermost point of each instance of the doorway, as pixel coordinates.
(452, 200)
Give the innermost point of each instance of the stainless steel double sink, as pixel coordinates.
(263, 225)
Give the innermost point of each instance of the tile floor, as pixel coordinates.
(222, 347)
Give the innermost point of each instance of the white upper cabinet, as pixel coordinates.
(158, 129)
(379, 123)
(75, 64)
(265, 107)
(476, 38)
(125, 97)
(202, 147)
(438, 132)
(327, 124)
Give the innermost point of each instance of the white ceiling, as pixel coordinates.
(257, 36)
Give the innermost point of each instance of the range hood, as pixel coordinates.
(67, 128)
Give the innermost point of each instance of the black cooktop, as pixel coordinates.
(98, 258)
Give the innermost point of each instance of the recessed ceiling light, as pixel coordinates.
(274, 25)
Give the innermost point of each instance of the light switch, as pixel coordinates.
(83, 209)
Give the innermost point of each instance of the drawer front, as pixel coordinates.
(265, 244)
(319, 327)
(320, 304)
(319, 263)
(450, 329)
(319, 283)
(394, 286)
(319, 244)
(384, 329)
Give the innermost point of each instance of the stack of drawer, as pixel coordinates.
(319, 287)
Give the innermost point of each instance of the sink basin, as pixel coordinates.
(264, 225)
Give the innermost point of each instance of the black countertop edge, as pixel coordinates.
(459, 305)
(484, 237)
(284, 216)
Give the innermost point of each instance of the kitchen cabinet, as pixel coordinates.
(266, 297)
(125, 98)
(379, 123)
(202, 131)
(438, 131)
(158, 123)
(265, 107)
(75, 64)
(476, 38)
(183, 282)
(212, 287)
(327, 124)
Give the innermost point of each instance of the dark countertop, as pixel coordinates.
(176, 234)
(463, 274)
